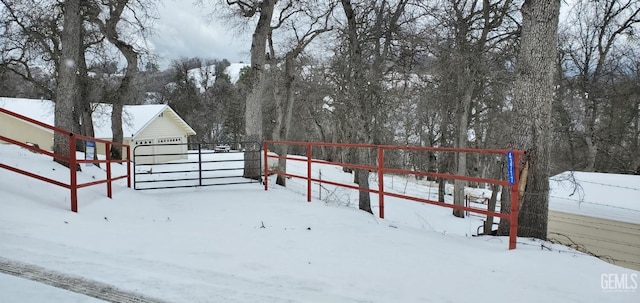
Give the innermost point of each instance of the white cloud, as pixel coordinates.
(183, 30)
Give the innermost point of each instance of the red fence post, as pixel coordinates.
(308, 172)
(515, 199)
(107, 151)
(381, 181)
(73, 182)
(266, 165)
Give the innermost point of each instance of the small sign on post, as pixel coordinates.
(89, 151)
(511, 168)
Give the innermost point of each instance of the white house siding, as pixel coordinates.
(23, 131)
(620, 241)
(163, 130)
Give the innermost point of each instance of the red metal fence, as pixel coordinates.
(512, 155)
(73, 185)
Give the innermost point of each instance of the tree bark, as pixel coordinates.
(362, 175)
(532, 103)
(126, 91)
(463, 138)
(491, 206)
(68, 88)
(253, 107)
(284, 111)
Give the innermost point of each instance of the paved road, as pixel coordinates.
(613, 241)
(75, 284)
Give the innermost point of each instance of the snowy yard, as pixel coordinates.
(239, 243)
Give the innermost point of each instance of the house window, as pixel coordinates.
(170, 140)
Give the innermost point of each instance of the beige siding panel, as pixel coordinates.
(143, 153)
(161, 127)
(163, 130)
(101, 146)
(172, 152)
(618, 240)
(25, 132)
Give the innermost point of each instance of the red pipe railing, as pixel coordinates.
(512, 216)
(73, 185)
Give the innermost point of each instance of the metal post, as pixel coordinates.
(320, 185)
(308, 172)
(134, 167)
(107, 151)
(266, 166)
(73, 183)
(128, 166)
(381, 181)
(515, 197)
(199, 163)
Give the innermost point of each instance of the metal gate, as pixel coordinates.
(176, 165)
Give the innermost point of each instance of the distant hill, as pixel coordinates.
(209, 73)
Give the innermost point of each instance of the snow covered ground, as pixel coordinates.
(239, 243)
(607, 196)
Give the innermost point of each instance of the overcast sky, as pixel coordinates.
(184, 30)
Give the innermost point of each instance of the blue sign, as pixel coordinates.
(511, 168)
(90, 151)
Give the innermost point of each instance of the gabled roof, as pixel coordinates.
(135, 117)
(41, 110)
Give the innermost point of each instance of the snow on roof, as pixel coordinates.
(607, 196)
(41, 110)
(134, 117)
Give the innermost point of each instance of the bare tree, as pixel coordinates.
(470, 42)
(30, 42)
(594, 31)
(110, 28)
(68, 85)
(533, 96)
(253, 107)
(318, 23)
(370, 33)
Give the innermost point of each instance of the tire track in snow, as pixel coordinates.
(71, 283)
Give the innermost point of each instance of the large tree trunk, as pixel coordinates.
(532, 103)
(253, 107)
(362, 175)
(463, 138)
(68, 87)
(491, 206)
(359, 127)
(126, 91)
(86, 122)
(284, 111)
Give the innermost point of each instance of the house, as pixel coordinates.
(142, 124)
(41, 110)
(598, 213)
